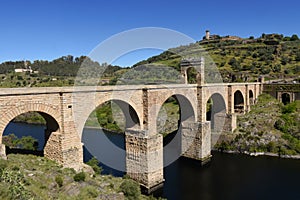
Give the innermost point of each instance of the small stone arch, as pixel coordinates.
(239, 102)
(251, 97)
(285, 98)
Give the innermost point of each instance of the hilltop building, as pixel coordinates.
(209, 37)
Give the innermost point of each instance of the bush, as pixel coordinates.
(79, 177)
(94, 164)
(131, 189)
(289, 108)
(59, 180)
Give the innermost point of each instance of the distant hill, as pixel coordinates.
(238, 59)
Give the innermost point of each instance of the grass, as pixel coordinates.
(32, 177)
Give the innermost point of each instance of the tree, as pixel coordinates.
(294, 37)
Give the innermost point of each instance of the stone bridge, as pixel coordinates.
(66, 110)
(284, 92)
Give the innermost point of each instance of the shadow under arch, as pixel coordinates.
(239, 102)
(107, 145)
(34, 131)
(216, 112)
(251, 97)
(285, 98)
(172, 142)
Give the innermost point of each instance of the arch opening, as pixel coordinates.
(251, 97)
(216, 112)
(173, 114)
(103, 135)
(191, 75)
(238, 102)
(285, 98)
(29, 132)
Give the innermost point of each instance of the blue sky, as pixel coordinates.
(48, 29)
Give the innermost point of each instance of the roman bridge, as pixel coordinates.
(66, 110)
(283, 92)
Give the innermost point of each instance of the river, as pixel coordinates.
(227, 176)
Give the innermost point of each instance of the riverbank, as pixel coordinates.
(255, 154)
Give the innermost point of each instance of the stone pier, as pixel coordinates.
(196, 141)
(144, 158)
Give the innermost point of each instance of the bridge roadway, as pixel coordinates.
(66, 110)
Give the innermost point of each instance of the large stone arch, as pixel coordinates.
(129, 110)
(173, 146)
(239, 102)
(187, 110)
(218, 111)
(53, 123)
(49, 112)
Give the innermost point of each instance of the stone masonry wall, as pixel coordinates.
(144, 158)
(196, 140)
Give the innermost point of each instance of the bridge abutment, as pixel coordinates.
(144, 158)
(196, 140)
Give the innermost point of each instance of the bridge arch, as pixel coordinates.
(187, 112)
(239, 102)
(251, 97)
(129, 112)
(50, 114)
(91, 138)
(216, 111)
(286, 98)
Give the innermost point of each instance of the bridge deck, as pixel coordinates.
(49, 90)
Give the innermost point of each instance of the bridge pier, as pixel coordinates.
(196, 141)
(144, 158)
(65, 149)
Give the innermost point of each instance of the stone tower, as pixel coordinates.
(207, 34)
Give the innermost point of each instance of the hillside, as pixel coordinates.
(272, 55)
(270, 127)
(32, 177)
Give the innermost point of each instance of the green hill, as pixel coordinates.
(272, 55)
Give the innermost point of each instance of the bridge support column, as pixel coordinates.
(65, 149)
(144, 158)
(3, 151)
(196, 140)
(230, 122)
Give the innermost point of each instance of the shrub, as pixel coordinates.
(94, 164)
(79, 177)
(59, 180)
(289, 108)
(131, 189)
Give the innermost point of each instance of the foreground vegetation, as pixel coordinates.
(32, 177)
(270, 126)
